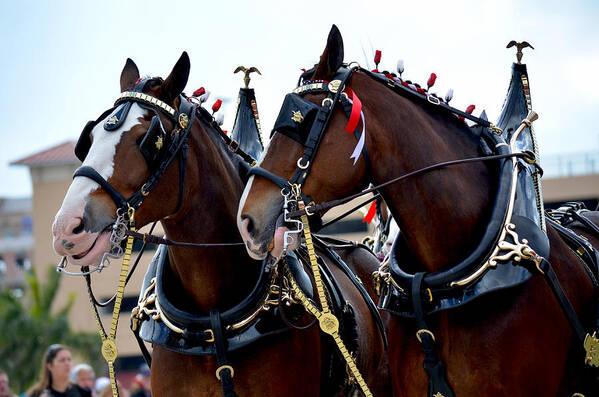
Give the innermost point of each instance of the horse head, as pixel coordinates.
(260, 210)
(125, 147)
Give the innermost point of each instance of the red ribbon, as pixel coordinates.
(371, 213)
(356, 109)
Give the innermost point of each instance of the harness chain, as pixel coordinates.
(109, 350)
(327, 321)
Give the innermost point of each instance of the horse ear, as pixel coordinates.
(332, 57)
(176, 81)
(129, 75)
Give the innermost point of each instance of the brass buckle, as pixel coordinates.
(302, 166)
(308, 206)
(433, 99)
(224, 367)
(211, 333)
(424, 331)
(329, 101)
(234, 145)
(143, 191)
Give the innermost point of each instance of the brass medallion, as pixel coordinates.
(159, 143)
(297, 116)
(591, 346)
(334, 86)
(112, 121)
(109, 350)
(183, 120)
(328, 323)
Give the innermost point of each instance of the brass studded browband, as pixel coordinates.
(138, 96)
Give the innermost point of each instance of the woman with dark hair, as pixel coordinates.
(55, 376)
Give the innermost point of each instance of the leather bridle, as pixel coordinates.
(311, 143)
(182, 119)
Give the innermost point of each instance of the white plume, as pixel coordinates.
(204, 97)
(449, 95)
(400, 66)
(220, 118)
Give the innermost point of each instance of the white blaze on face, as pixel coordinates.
(100, 158)
(248, 187)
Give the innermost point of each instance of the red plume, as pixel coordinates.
(371, 213)
(199, 92)
(431, 80)
(216, 105)
(377, 57)
(303, 70)
(225, 131)
(470, 109)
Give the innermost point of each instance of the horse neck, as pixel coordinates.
(213, 277)
(442, 213)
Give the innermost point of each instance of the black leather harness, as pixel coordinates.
(159, 162)
(420, 294)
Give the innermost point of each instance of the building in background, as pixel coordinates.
(571, 177)
(16, 241)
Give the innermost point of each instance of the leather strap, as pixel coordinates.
(433, 365)
(224, 371)
(89, 172)
(562, 299)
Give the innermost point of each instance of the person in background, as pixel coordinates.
(56, 368)
(101, 382)
(4, 389)
(84, 376)
(107, 390)
(143, 380)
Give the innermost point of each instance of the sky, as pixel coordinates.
(61, 60)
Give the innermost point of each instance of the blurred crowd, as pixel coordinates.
(59, 378)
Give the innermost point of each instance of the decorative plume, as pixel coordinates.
(204, 97)
(199, 92)
(470, 109)
(449, 95)
(400, 67)
(216, 105)
(431, 81)
(371, 213)
(220, 118)
(377, 58)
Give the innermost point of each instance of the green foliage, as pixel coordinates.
(28, 326)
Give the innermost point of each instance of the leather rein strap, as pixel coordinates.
(325, 206)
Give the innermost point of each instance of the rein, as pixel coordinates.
(152, 239)
(324, 206)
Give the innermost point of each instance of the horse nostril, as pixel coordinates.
(249, 224)
(79, 228)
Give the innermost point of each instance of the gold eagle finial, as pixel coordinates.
(519, 47)
(247, 71)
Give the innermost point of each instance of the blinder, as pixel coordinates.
(85, 140)
(153, 141)
(150, 144)
(295, 118)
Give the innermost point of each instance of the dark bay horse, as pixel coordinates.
(199, 205)
(511, 343)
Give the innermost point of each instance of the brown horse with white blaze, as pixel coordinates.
(515, 342)
(198, 205)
